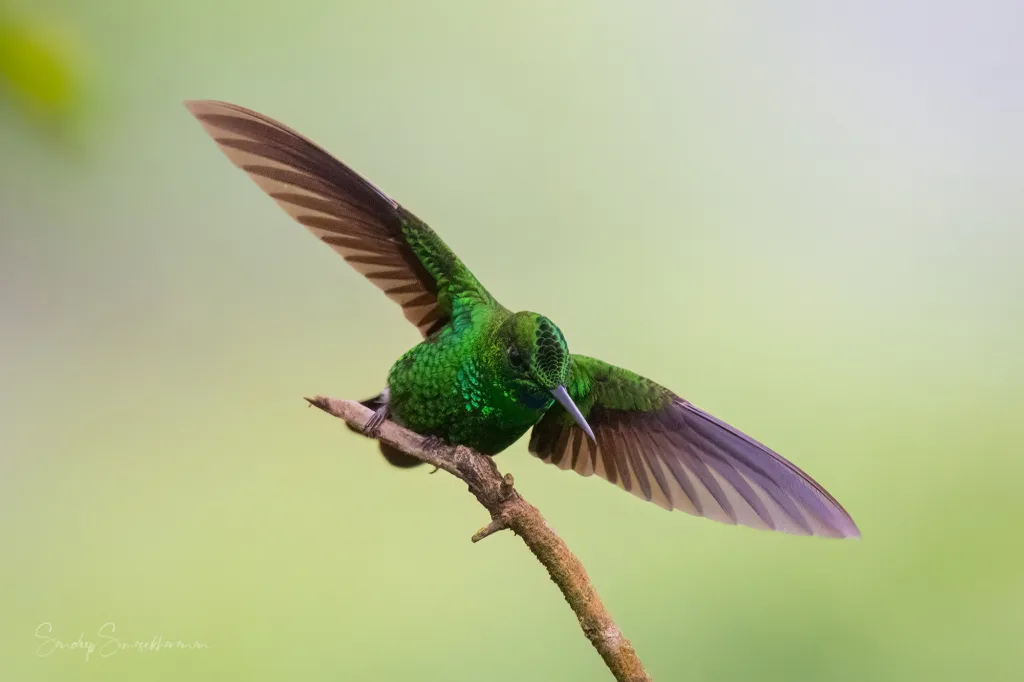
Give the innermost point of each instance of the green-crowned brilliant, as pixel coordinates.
(484, 375)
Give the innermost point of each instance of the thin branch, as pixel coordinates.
(509, 510)
(490, 528)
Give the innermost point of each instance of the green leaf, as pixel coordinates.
(37, 68)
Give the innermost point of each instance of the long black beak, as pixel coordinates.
(562, 396)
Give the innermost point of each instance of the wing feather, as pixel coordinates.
(661, 448)
(392, 248)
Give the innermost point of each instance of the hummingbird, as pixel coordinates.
(484, 375)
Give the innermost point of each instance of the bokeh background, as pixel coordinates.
(805, 217)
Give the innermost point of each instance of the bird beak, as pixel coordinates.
(562, 396)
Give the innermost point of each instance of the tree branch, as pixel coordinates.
(509, 510)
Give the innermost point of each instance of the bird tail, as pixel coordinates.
(394, 456)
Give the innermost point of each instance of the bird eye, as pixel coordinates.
(515, 358)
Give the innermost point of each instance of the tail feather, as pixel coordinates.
(399, 459)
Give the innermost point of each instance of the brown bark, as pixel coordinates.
(509, 510)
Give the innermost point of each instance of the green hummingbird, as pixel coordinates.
(483, 375)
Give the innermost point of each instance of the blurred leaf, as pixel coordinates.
(38, 70)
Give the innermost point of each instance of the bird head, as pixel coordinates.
(536, 355)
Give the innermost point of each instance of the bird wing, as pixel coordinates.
(661, 448)
(394, 249)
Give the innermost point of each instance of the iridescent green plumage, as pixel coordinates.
(460, 384)
(483, 376)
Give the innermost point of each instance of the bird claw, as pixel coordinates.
(372, 426)
(432, 443)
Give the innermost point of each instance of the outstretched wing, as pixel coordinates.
(661, 448)
(395, 250)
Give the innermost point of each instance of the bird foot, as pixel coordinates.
(432, 443)
(372, 426)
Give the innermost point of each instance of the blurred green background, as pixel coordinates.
(805, 217)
